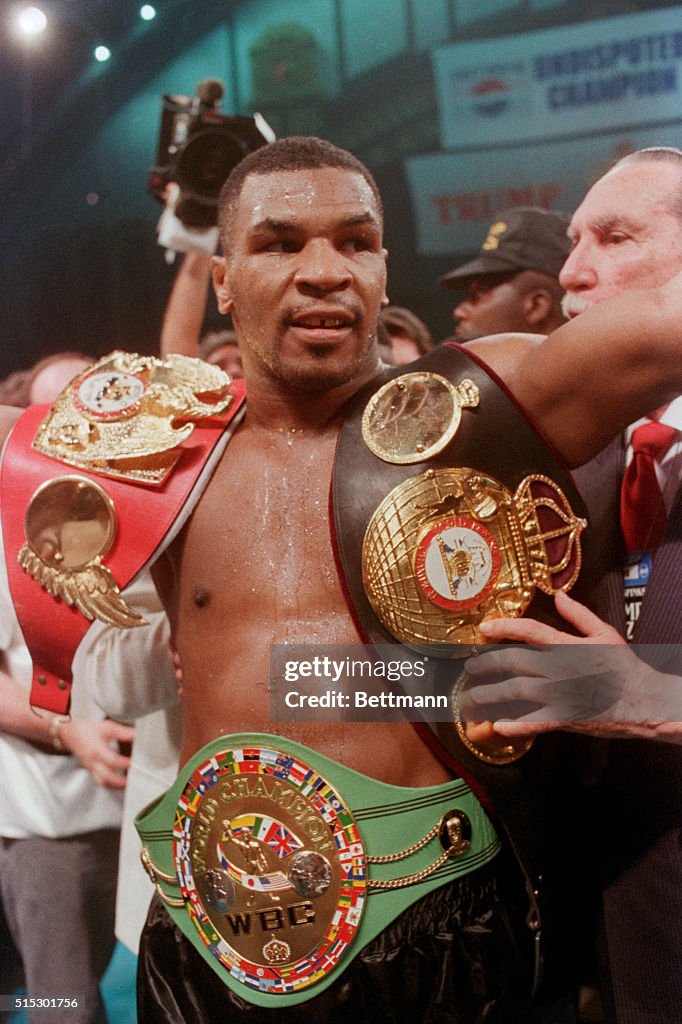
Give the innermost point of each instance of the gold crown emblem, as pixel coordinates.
(126, 416)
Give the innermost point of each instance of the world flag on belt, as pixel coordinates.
(284, 763)
(265, 829)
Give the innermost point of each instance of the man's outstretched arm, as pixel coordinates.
(612, 364)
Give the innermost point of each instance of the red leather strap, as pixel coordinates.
(52, 630)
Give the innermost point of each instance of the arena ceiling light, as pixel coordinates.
(31, 21)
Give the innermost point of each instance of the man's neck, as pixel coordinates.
(280, 407)
(657, 413)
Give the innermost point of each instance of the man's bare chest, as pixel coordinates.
(260, 536)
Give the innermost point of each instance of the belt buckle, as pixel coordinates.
(271, 866)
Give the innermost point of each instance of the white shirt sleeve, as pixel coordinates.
(129, 672)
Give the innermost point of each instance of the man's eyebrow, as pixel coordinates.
(279, 226)
(272, 224)
(360, 219)
(615, 220)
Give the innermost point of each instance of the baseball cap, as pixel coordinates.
(521, 238)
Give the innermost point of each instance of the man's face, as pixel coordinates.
(492, 305)
(305, 277)
(624, 235)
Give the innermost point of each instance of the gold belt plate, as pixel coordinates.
(271, 866)
(125, 416)
(415, 416)
(480, 738)
(451, 547)
(70, 526)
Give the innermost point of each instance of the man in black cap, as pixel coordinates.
(512, 285)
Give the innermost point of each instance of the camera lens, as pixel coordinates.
(206, 161)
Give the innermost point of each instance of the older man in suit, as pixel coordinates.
(626, 234)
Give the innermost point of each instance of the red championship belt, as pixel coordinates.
(123, 522)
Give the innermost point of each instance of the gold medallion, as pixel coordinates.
(480, 738)
(414, 417)
(271, 866)
(70, 526)
(126, 415)
(451, 547)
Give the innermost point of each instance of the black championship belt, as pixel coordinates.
(449, 508)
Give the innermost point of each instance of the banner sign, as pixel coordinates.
(600, 75)
(455, 196)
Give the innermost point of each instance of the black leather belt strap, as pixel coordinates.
(498, 439)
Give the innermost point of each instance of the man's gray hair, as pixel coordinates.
(658, 155)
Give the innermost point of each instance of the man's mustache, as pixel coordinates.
(573, 305)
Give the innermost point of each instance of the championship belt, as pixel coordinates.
(452, 545)
(279, 864)
(135, 432)
(449, 509)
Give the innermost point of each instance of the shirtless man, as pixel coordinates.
(303, 277)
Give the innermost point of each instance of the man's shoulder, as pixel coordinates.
(504, 353)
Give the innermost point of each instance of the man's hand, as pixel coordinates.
(592, 683)
(92, 743)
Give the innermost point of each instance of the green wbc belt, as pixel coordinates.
(280, 865)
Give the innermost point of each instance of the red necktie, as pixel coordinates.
(642, 510)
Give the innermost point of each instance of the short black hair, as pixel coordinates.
(293, 153)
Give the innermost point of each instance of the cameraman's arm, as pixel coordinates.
(186, 306)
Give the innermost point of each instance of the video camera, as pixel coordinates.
(198, 147)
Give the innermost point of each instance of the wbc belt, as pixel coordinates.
(280, 864)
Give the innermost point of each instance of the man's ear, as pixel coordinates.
(221, 285)
(385, 301)
(537, 306)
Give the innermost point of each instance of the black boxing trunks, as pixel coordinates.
(450, 958)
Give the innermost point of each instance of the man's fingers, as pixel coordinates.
(117, 731)
(526, 688)
(107, 778)
(119, 762)
(526, 726)
(528, 631)
(583, 619)
(506, 661)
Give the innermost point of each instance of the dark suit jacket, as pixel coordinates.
(639, 796)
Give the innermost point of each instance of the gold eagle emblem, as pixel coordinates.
(126, 414)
